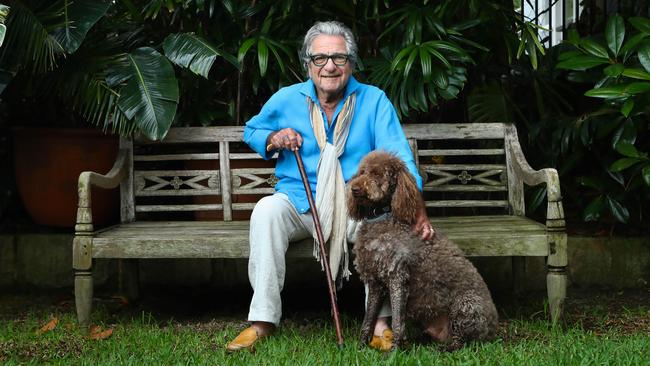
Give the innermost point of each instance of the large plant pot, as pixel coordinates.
(48, 162)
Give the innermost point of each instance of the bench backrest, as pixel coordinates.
(465, 168)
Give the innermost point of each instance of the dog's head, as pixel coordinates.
(383, 181)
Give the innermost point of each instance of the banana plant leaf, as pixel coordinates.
(150, 97)
(78, 17)
(195, 53)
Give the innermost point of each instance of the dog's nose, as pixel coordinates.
(356, 191)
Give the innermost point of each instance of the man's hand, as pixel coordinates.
(423, 226)
(286, 138)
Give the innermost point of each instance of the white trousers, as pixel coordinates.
(274, 224)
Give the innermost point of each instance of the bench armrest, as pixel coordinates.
(548, 176)
(87, 179)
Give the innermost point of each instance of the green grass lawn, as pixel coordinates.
(600, 329)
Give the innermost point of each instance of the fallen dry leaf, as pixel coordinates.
(96, 333)
(122, 300)
(49, 326)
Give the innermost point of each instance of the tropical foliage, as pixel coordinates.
(615, 130)
(145, 65)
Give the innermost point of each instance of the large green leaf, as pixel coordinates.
(644, 56)
(150, 97)
(191, 51)
(623, 163)
(615, 33)
(618, 91)
(614, 70)
(581, 62)
(628, 149)
(619, 211)
(636, 74)
(78, 17)
(29, 45)
(594, 48)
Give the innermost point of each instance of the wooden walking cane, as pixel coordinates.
(321, 245)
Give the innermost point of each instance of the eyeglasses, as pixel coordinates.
(320, 60)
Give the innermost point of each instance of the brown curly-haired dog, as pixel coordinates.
(430, 282)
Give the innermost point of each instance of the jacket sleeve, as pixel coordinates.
(259, 128)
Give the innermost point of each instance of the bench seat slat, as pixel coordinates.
(477, 236)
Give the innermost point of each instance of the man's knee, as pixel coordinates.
(269, 209)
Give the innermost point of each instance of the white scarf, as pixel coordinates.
(330, 186)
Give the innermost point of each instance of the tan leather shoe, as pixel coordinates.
(245, 340)
(383, 343)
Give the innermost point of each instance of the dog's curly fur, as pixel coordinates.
(430, 282)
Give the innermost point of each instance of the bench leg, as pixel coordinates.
(129, 279)
(556, 283)
(83, 293)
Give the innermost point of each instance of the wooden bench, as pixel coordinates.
(176, 201)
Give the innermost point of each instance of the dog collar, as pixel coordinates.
(379, 214)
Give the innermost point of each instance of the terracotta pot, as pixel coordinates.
(48, 162)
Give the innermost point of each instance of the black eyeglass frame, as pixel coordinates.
(345, 57)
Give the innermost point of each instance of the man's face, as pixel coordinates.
(330, 80)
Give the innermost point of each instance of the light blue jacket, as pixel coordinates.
(374, 126)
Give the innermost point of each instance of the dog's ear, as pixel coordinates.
(354, 211)
(406, 199)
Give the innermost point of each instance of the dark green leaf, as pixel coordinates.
(245, 46)
(78, 17)
(593, 211)
(150, 97)
(614, 70)
(619, 211)
(636, 88)
(591, 183)
(581, 62)
(615, 33)
(425, 62)
(631, 43)
(537, 197)
(568, 55)
(622, 164)
(409, 62)
(431, 47)
(594, 48)
(532, 52)
(627, 107)
(619, 91)
(193, 52)
(262, 55)
(627, 149)
(644, 56)
(573, 37)
(405, 51)
(626, 133)
(636, 74)
(610, 92)
(440, 78)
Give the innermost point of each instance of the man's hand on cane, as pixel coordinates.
(286, 138)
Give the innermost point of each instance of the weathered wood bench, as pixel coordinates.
(190, 196)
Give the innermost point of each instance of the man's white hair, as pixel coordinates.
(331, 28)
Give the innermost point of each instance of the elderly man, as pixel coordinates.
(334, 121)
